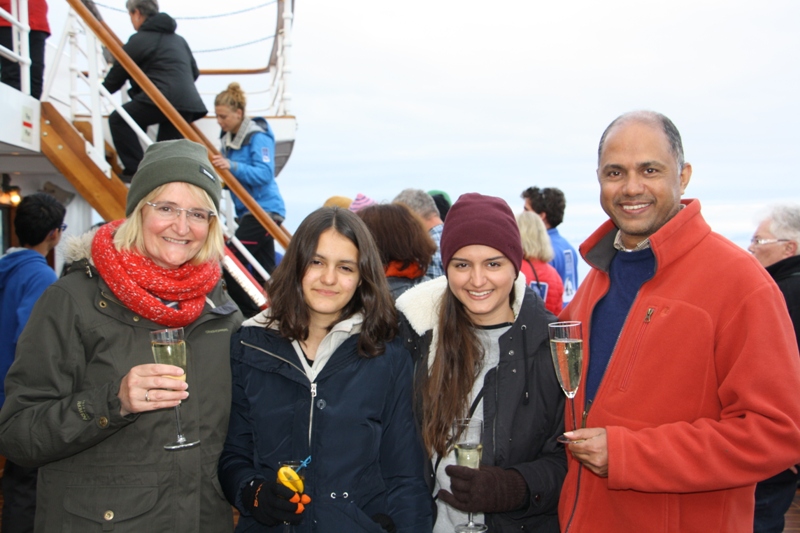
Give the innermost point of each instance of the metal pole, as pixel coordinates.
(286, 96)
(24, 48)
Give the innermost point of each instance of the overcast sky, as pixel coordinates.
(494, 97)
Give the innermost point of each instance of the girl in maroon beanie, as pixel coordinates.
(479, 339)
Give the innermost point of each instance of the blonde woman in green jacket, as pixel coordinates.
(85, 402)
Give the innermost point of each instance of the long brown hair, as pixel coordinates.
(289, 311)
(458, 360)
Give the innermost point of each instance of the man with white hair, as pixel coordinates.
(776, 245)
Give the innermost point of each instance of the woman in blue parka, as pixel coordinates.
(319, 377)
(248, 152)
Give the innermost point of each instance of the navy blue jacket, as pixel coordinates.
(357, 426)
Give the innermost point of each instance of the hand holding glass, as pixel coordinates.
(169, 348)
(467, 433)
(566, 348)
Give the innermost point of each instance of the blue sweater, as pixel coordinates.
(24, 275)
(628, 271)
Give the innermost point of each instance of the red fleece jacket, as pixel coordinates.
(701, 396)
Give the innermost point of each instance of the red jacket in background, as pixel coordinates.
(700, 398)
(37, 15)
(550, 286)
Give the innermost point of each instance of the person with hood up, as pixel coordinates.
(24, 276)
(319, 377)
(165, 57)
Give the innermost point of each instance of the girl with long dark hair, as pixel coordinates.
(479, 338)
(318, 377)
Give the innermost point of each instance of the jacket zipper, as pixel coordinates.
(313, 384)
(588, 405)
(626, 377)
(311, 412)
(276, 356)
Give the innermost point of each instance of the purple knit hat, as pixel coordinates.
(361, 202)
(479, 219)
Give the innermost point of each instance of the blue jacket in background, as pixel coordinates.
(357, 425)
(565, 261)
(24, 275)
(254, 166)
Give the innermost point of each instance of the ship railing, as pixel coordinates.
(20, 52)
(277, 66)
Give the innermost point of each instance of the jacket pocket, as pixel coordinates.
(349, 517)
(117, 507)
(626, 377)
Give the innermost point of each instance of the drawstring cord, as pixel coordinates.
(525, 392)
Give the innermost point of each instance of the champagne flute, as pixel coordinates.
(467, 434)
(566, 348)
(169, 348)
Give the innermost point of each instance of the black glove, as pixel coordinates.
(489, 490)
(385, 522)
(272, 503)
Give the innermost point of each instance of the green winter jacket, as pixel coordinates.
(100, 471)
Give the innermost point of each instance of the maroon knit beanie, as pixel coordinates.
(479, 219)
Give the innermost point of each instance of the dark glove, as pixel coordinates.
(385, 521)
(272, 503)
(489, 490)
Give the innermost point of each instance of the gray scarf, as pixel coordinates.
(234, 142)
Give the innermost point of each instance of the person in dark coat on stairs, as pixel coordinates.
(165, 57)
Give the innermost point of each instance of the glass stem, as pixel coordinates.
(574, 421)
(181, 438)
(470, 522)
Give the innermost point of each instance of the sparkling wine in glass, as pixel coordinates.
(566, 348)
(467, 434)
(169, 348)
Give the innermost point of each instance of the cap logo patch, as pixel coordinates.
(208, 174)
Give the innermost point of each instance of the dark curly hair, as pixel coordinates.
(550, 201)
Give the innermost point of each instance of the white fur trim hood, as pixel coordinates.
(79, 247)
(420, 305)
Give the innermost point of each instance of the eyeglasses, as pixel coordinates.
(168, 211)
(62, 228)
(758, 242)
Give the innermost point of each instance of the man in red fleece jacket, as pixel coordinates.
(689, 392)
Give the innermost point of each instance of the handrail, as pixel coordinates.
(226, 71)
(172, 114)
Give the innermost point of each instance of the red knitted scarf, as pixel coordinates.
(412, 271)
(139, 283)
